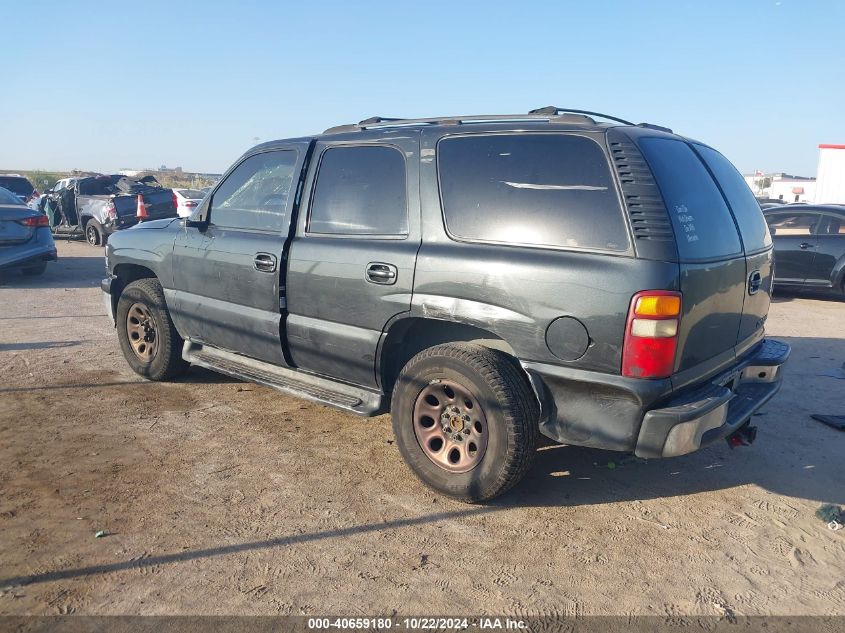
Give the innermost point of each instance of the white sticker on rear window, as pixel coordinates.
(686, 220)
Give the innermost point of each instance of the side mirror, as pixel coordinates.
(199, 218)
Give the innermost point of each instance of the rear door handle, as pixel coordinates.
(755, 280)
(806, 245)
(381, 273)
(264, 262)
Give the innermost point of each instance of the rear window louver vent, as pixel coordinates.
(643, 202)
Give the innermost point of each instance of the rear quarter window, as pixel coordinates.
(704, 227)
(746, 210)
(552, 190)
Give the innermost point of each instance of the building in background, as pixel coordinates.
(793, 188)
(831, 174)
(781, 186)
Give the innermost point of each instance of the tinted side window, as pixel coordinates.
(360, 191)
(255, 194)
(704, 227)
(535, 189)
(784, 224)
(746, 210)
(834, 225)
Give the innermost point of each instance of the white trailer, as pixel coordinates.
(830, 180)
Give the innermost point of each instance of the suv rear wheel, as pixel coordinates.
(148, 339)
(465, 420)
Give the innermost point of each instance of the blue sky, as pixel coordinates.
(109, 85)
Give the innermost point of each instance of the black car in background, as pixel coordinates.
(809, 246)
(18, 185)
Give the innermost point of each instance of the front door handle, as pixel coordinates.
(381, 273)
(264, 262)
(805, 245)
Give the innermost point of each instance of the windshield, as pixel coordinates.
(16, 184)
(7, 197)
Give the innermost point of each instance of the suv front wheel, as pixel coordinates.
(148, 339)
(465, 420)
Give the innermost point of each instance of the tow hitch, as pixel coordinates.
(743, 436)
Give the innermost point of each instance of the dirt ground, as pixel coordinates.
(222, 497)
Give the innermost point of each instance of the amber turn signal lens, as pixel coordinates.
(658, 306)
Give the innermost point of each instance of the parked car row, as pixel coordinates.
(97, 206)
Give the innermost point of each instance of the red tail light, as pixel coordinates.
(175, 201)
(190, 203)
(111, 210)
(39, 220)
(651, 334)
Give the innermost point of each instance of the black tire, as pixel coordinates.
(34, 271)
(94, 234)
(165, 361)
(508, 404)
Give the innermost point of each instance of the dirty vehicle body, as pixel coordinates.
(25, 240)
(485, 279)
(809, 247)
(100, 205)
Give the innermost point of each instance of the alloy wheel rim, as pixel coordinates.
(450, 426)
(142, 332)
(91, 232)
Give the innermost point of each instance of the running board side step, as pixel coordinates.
(293, 382)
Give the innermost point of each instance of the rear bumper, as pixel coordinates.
(647, 417)
(28, 257)
(714, 411)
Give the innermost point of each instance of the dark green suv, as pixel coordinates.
(485, 279)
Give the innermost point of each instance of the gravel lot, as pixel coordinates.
(229, 498)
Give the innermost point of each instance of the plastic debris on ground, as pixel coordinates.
(100, 534)
(833, 515)
(836, 372)
(835, 421)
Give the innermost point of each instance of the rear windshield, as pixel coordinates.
(704, 227)
(746, 210)
(534, 189)
(17, 185)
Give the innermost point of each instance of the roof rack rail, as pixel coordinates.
(556, 110)
(386, 122)
(377, 119)
(652, 126)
